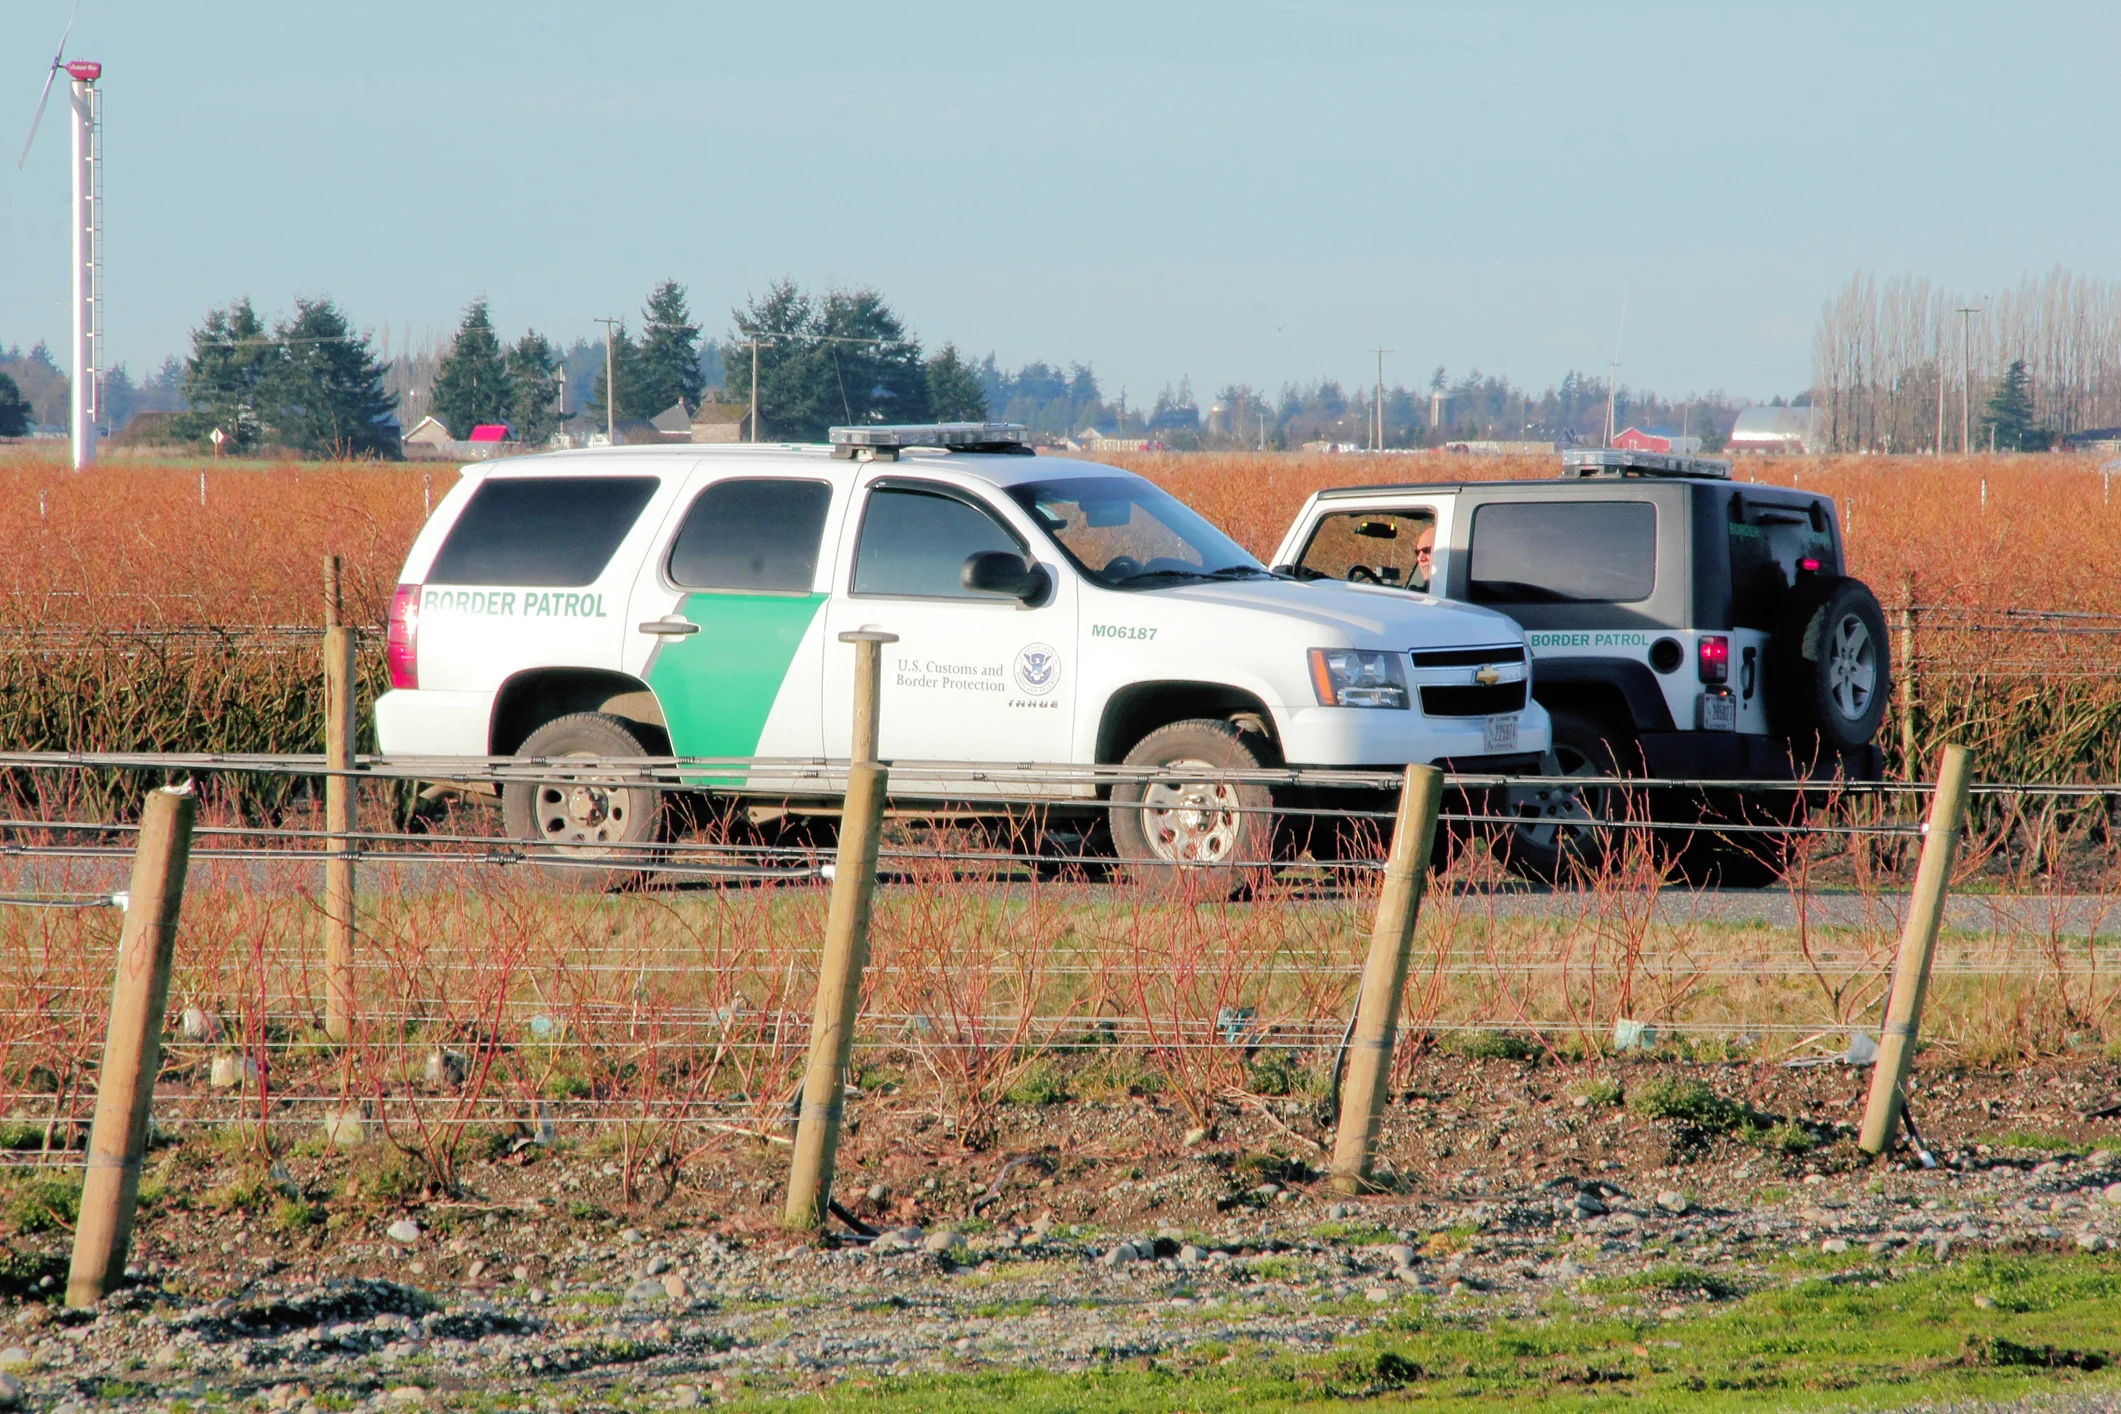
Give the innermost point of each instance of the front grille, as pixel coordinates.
(1466, 657)
(1473, 701)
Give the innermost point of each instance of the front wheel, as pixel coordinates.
(1558, 825)
(590, 834)
(1192, 828)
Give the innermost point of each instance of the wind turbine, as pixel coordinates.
(86, 221)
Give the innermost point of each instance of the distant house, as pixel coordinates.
(427, 432)
(1656, 439)
(674, 423)
(638, 432)
(1777, 429)
(429, 440)
(721, 422)
(492, 432)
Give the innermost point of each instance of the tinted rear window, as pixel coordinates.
(752, 534)
(556, 532)
(1563, 552)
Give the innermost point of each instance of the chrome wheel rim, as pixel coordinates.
(1851, 668)
(1554, 817)
(1192, 822)
(583, 816)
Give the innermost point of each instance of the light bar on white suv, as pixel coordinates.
(886, 440)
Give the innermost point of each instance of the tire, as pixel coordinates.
(1207, 835)
(1831, 664)
(1568, 829)
(573, 826)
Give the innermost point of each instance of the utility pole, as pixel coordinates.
(754, 389)
(1939, 450)
(1966, 419)
(1612, 384)
(611, 386)
(1379, 444)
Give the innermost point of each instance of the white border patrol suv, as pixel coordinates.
(689, 601)
(1683, 626)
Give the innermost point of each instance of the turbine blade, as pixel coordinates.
(42, 99)
(66, 34)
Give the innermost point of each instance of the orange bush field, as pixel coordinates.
(129, 545)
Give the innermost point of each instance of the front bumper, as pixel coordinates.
(1365, 738)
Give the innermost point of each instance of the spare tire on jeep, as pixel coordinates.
(1828, 663)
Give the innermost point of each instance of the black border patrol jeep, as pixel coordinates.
(1682, 625)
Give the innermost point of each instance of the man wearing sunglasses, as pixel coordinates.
(1424, 562)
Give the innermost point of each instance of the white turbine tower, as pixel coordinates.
(86, 221)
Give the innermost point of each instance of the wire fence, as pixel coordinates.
(1017, 958)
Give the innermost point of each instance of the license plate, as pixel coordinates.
(1499, 733)
(1719, 712)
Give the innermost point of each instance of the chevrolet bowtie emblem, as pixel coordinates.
(1487, 675)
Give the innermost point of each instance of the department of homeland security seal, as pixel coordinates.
(1038, 669)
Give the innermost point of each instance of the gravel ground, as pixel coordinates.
(1087, 1234)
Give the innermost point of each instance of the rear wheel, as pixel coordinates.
(591, 834)
(1194, 829)
(1831, 668)
(1558, 825)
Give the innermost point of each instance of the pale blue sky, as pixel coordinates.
(1240, 190)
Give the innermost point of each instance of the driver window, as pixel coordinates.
(1372, 547)
(913, 543)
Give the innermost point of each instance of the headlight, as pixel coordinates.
(1357, 677)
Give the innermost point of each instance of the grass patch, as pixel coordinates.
(1489, 1045)
(1038, 1084)
(1601, 1094)
(1814, 1345)
(2032, 1139)
(1276, 1073)
(1691, 1103)
(1355, 1234)
(45, 1203)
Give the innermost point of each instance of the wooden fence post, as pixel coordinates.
(1918, 941)
(339, 729)
(132, 1049)
(1384, 977)
(846, 952)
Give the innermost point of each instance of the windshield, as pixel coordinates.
(1123, 533)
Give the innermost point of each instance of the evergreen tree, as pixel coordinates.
(874, 366)
(954, 389)
(669, 364)
(787, 362)
(322, 392)
(626, 364)
(2010, 414)
(471, 384)
(14, 409)
(534, 391)
(230, 354)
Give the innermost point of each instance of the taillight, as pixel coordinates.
(1808, 565)
(401, 645)
(1714, 663)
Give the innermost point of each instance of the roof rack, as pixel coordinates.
(1610, 461)
(884, 441)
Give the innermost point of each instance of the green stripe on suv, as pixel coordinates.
(717, 687)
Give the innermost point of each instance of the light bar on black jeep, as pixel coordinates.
(887, 439)
(1609, 461)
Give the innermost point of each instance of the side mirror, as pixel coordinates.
(999, 572)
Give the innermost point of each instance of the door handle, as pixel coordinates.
(670, 626)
